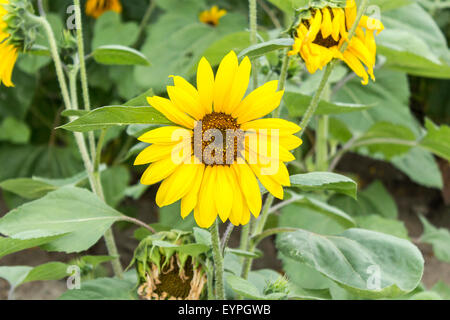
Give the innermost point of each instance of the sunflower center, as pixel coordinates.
(218, 139)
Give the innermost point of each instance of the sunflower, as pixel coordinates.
(8, 52)
(215, 176)
(319, 39)
(95, 8)
(212, 16)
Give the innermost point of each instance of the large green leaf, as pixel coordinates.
(420, 166)
(390, 96)
(261, 49)
(315, 181)
(102, 289)
(381, 224)
(9, 245)
(351, 258)
(73, 211)
(176, 42)
(116, 116)
(109, 30)
(119, 55)
(297, 104)
(379, 201)
(438, 238)
(324, 209)
(437, 139)
(419, 49)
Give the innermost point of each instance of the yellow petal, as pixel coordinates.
(290, 142)
(190, 200)
(239, 86)
(185, 102)
(249, 186)
(158, 171)
(178, 184)
(224, 81)
(158, 152)
(224, 195)
(166, 107)
(205, 85)
(327, 26)
(256, 97)
(166, 135)
(283, 127)
(268, 182)
(205, 213)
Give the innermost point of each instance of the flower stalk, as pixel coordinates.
(218, 262)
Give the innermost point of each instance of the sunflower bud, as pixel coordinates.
(169, 267)
(20, 30)
(279, 286)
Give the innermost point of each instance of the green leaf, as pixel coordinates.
(102, 289)
(426, 295)
(389, 139)
(115, 181)
(14, 131)
(390, 96)
(140, 100)
(48, 271)
(18, 275)
(379, 200)
(236, 41)
(109, 30)
(36, 187)
(9, 245)
(442, 289)
(96, 260)
(119, 55)
(74, 113)
(176, 42)
(77, 212)
(420, 166)
(116, 116)
(261, 49)
(297, 104)
(381, 224)
(27, 188)
(323, 208)
(243, 253)
(419, 49)
(438, 238)
(351, 258)
(315, 181)
(437, 140)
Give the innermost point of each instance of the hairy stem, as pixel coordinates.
(96, 187)
(253, 18)
(218, 262)
(323, 83)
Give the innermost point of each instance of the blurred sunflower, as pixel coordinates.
(95, 8)
(220, 177)
(319, 38)
(212, 16)
(8, 52)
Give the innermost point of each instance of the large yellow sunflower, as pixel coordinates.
(212, 16)
(319, 39)
(8, 52)
(95, 8)
(218, 149)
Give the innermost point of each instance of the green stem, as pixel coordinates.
(209, 279)
(253, 17)
(322, 144)
(101, 141)
(259, 237)
(282, 82)
(96, 187)
(83, 72)
(323, 83)
(218, 261)
(145, 20)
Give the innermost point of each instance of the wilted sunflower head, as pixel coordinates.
(16, 34)
(169, 267)
(324, 29)
(212, 16)
(218, 148)
(95, 8)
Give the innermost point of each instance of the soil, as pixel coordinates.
(411, 199)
